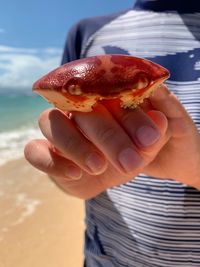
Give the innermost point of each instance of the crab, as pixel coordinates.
(80, 84)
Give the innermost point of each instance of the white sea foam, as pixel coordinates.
(25, 205)
(29, 205)
(12, 143)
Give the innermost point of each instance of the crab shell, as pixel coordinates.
(78, 85)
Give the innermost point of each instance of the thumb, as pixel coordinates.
(168, 103)
(179, 120)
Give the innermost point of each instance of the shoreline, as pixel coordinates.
(39, 224)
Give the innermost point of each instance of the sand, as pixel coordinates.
(40, 226)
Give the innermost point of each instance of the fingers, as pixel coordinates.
(67, 175)
(144, 129)
(63, 134)
(149, 131)
(40, 154)
(110, 138)
(129, 140)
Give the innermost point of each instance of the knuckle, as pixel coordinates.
(127, 118)
(106, 135)
(41, 120)
(28, 149)
(71, 144)
(32, 149)
(49, 165)
(44, 117)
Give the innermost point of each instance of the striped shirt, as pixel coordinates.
(147, 222)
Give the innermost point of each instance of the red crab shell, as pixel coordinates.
(78, 85)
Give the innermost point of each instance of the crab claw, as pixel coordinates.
(78, 85)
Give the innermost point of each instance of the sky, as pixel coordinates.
(33, 32)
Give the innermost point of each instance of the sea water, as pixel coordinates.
(18, 123)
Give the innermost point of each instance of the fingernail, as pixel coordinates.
(147, 135)
(73, 172)
(95, 162)
(130, 159)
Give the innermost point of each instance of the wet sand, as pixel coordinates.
(40, 226)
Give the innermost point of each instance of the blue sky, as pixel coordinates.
(32, 34)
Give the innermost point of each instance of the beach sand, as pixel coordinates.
(40, 226)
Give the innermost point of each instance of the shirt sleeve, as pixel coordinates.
(80, 33)
(72, 49)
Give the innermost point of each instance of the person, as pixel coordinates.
(138, 170)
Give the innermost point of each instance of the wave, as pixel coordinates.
(12, 143)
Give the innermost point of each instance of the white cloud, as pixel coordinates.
(20, 67)
(17, 50)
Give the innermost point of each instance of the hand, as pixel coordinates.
(179, 159)
(94, 151)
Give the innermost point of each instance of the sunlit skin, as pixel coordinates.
(87, 152)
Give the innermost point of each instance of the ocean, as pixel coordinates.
(18, 122)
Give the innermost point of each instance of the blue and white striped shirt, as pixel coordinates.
(147, 222)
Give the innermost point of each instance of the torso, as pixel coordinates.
(149, 222)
